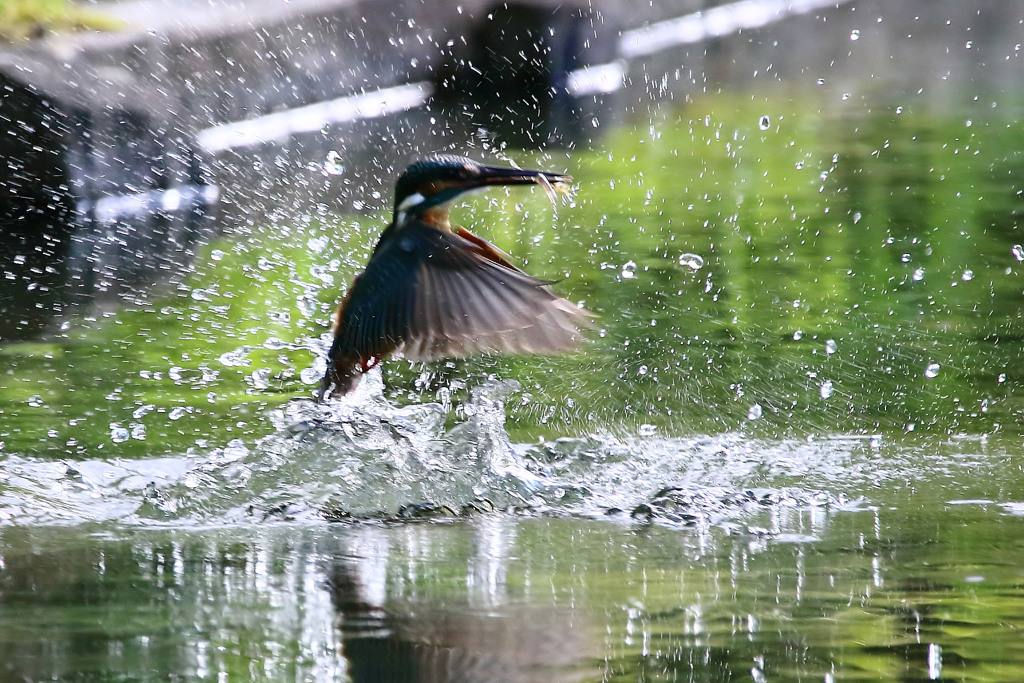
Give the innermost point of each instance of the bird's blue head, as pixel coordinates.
(436, 180)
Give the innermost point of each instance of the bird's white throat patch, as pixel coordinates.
(412, 200)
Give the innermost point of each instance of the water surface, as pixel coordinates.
(790, 450)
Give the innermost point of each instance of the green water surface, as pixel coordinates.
(837, 292)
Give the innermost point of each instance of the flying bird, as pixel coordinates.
(432, 291)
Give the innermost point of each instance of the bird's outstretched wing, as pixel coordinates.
(433, 294)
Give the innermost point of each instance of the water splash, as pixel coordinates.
(365, 457)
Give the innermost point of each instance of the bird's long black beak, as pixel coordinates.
(482, 177)
(495, 175)
(552, 183)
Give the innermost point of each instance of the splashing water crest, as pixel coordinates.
(366, 458)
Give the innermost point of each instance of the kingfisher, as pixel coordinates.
(433, 291)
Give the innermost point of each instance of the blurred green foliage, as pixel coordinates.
(24, 19)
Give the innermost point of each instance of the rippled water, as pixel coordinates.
(791, 450)
(653, 559)
(379, 542)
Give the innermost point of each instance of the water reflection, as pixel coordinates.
(489, 600)
(394, 631)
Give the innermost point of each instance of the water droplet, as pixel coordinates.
(899, 110)
(826, 390)
(642, 370)
(875, 441)
(918, 275)
(260, 378)
(333, 164)
(235, 450)
(755, 412)
(177, 413)
(831, 347)
(274, 344)
(855, 34)
(764, 122)
(967, 275)
(821, 81)
(200, 295)
(846, 96)
(798, 335)
(142, 410)
(35, 401)
(216, 255)
(118, 434)
(691, 261)
(1001, 378)
(984, 405)
(905, 258)
(264, 263)
(236, 358)
(628, 270)
(646, 430)
(139, 432)
(279, 316)
(932, 370)
(307, 306)
(1018, 252)
(934, 649)
(310, 375)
